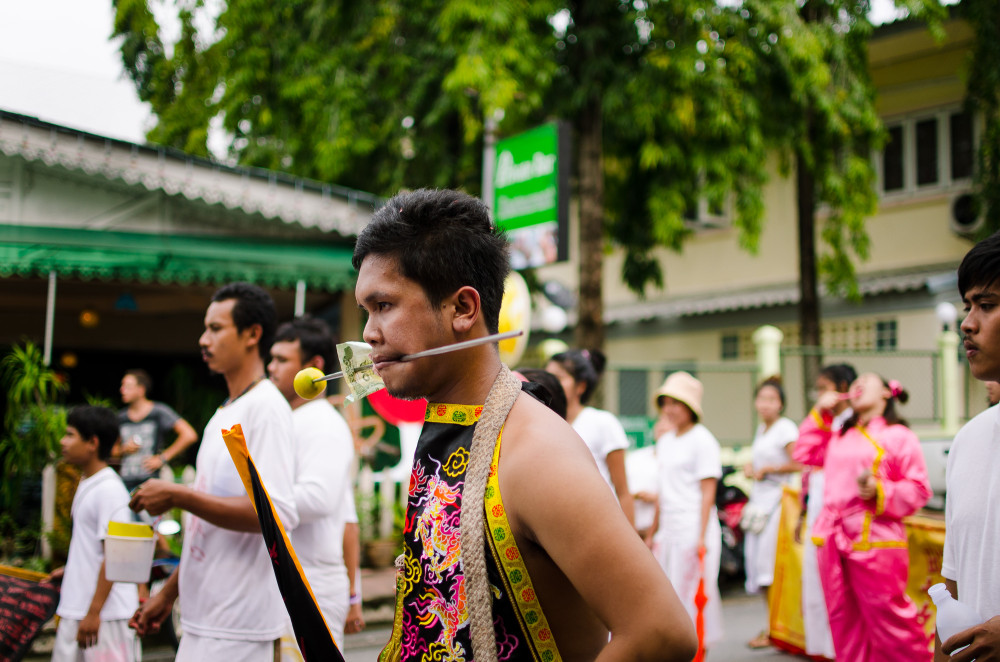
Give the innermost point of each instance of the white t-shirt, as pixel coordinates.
(972, 528)
(769, 451)
(603, 433)
(98, 499)
(324, 449)
(227, 586)
(683, 462)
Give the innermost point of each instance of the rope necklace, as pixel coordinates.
(229, 401)
(498, 404)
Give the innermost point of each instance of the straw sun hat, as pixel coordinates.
(683, 387)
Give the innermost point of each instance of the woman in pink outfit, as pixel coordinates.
(875, 476)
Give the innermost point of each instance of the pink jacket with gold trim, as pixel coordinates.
(891, 453)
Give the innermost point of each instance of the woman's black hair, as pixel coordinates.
(890, 414)
(545, 387)
(841, 374)
(775, 383)
(584, 366)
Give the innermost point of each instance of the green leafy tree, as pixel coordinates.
(984, 98)
(671, 103)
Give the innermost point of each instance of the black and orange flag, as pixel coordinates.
(311, 632)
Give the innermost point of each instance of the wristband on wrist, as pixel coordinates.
(163, 459)
(355, 599)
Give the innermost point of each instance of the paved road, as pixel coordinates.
(743, 617)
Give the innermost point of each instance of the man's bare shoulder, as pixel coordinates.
(544, 461)
(533, 432)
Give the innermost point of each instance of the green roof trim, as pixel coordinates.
(27, 250)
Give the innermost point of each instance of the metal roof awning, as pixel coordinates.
(170, 259)
(932, 279)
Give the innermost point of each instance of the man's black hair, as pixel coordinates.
(92, 421)
(314, 338)
(442, 240)
(253, 306)
(981, 265)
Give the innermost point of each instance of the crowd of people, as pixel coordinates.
(519, 541)
(304, 450)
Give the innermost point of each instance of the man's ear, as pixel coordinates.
(315, 362)
(254, 333)
(468, 309)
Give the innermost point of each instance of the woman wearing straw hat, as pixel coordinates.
(687, 522)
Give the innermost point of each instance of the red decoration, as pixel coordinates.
(396, 411)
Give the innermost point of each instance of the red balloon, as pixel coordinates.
(396, 411)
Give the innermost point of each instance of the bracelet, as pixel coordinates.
(163, 459)
(355, 599)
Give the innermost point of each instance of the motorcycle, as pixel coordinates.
(163, 567)
(729, 501)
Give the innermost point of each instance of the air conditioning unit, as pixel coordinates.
(965, 215)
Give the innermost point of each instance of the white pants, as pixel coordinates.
(759, 552)
(679, 559)
(115, 643)
(195, 648)
(819, 641)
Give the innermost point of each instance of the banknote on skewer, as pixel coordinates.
(359, 370)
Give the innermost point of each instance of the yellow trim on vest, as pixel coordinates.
(393, 651)
(437, 412)
(514, 571)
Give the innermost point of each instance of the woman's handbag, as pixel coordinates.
(753, 519)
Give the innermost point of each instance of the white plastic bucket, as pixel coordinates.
(128, 557)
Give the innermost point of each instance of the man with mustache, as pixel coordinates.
(514, 548)
(971, 564)
(230, 605)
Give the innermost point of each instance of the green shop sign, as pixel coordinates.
(531, 200)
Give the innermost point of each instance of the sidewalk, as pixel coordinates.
(378, 595)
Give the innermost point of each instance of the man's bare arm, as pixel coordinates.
(630, 594)
(185, 437)
(234, 513)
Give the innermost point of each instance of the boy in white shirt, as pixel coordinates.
(94, 612)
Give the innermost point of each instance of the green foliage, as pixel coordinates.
(33, 423)
(984, 99)
(17, 543)
(694, 97)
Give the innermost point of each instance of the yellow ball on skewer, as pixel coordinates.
(305, 383)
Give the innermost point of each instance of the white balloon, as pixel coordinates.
(554, 319)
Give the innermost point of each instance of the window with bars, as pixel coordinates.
(633, 392)
(927, 151)
(885, 335)
(730, 349)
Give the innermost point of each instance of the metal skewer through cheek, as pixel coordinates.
(444, 349)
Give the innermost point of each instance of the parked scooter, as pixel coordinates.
(729, 501)
(163, 567)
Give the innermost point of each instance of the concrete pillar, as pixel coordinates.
(948, 385)
(48, 508)
(768, 339)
